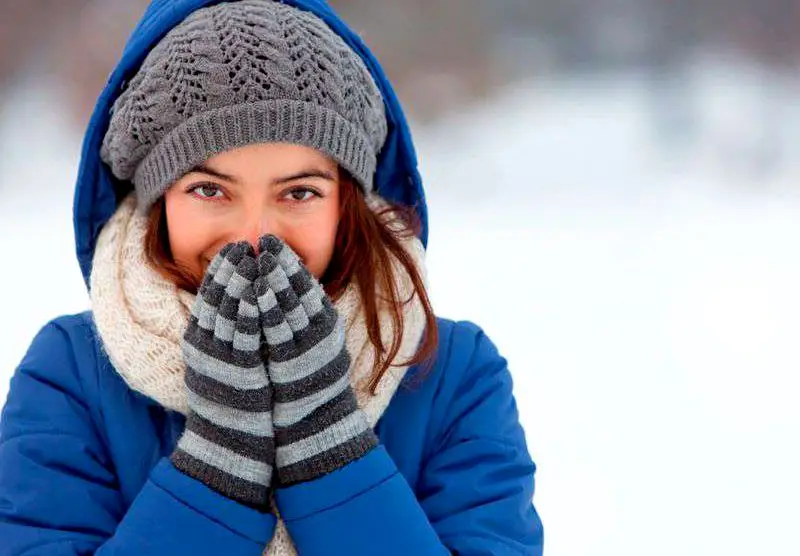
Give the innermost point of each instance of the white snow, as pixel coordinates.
(39, 151)
(647, 304)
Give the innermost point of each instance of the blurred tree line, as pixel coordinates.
(439, 53)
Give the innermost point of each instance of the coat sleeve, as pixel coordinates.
(58, 490)
(475, 491)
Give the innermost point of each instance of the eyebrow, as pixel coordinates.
(303, 174)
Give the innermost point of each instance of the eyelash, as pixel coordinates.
(315, 193)
(193, 190)
(305, 189)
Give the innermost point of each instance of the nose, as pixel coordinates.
(257, 225)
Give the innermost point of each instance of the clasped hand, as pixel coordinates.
(268, 387)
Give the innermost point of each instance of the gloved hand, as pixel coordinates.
(318, 425)
(228, 442)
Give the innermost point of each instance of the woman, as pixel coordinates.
(261, 370)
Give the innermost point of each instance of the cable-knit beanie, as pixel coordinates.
(237, 73)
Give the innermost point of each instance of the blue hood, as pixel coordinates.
(97, 192)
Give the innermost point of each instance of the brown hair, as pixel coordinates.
(366, 242)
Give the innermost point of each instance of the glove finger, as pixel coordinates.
(293, 311)
(304, 284)
(210, 294)
(205, 324)
(284, 254)
(310, 351)
(319, 337)
(216, 262)
(228, 312)
(309, 291)
(247, 335)
(192, 331)
(202, 321)
(273, 323)
(213, 290)
(315, 342)
(229, 263)
(310, 315)
(270, 243)
(245, 272)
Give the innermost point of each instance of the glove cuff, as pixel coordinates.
(333, 448)
(239, 480)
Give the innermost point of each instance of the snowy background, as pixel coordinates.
(645, 290)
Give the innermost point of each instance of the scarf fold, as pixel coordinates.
(141, 317)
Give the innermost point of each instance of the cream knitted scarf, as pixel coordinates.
(140, 318)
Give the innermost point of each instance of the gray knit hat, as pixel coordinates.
(237, 73)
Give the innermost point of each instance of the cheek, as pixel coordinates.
(315, 244)
(189, 238)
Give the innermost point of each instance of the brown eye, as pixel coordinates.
(302, 194)
(206, 191)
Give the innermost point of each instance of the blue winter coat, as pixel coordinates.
(84, 465)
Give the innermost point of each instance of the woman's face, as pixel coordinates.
(287, 190)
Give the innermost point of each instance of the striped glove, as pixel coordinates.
(228, 442)
(318, 424)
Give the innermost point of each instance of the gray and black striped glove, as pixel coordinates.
(228, 442)
(318, 425)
